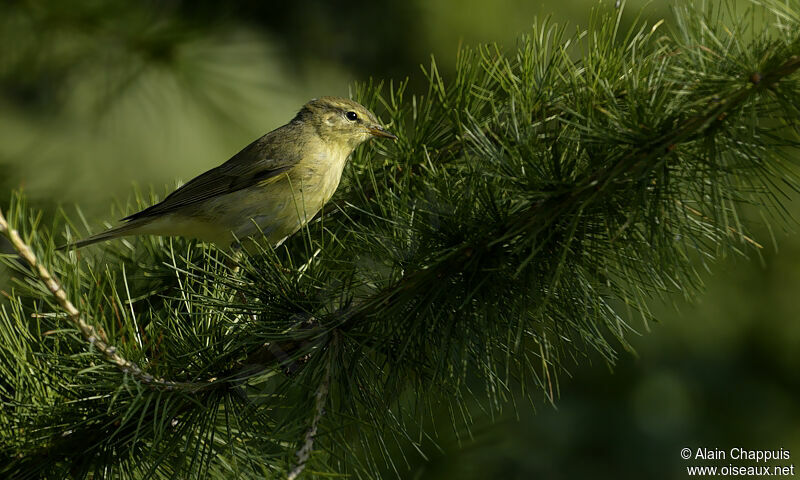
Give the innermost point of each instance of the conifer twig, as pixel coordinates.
(97, 338)
(304, 453)
(731, 229)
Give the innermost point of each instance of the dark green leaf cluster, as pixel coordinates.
(532, 206)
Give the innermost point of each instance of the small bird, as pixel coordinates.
(275, 185)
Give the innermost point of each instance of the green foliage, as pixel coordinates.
(531, 207)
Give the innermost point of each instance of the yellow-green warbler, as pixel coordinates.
(274, 185)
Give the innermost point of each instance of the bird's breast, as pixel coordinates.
(320, 174)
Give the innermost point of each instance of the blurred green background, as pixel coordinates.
(98, 95)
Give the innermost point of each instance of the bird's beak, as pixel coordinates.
(378, 131)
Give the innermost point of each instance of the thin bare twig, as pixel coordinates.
(304, 453)
(95, 337)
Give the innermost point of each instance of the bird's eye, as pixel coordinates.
(352, 116)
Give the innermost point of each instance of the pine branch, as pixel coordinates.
(95, 337)
(539, 217)
(304, 453)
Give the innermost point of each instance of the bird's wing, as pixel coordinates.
(244, 170)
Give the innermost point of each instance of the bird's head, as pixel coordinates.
(342, 121)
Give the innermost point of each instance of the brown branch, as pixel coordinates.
(96, 337)
(304, 453)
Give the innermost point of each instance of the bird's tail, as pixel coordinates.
(120, 231)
